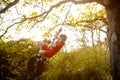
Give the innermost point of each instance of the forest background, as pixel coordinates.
(85, 55)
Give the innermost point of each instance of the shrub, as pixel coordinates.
(84, 64)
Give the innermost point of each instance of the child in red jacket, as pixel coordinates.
(49, 51)
(57, 44)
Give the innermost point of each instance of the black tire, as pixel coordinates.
(35, 67)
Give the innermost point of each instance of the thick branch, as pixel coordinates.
(102, 2)
(59, 4)
(45, 13)
(9, 5)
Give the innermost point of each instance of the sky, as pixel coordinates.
(36, 33)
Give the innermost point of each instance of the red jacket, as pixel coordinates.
(49, 52)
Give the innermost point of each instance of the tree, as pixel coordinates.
(114, 36)
(112, 8)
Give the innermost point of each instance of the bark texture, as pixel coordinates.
(113, 13)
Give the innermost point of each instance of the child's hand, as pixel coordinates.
(41, 51)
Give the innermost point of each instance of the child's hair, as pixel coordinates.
(63, 36)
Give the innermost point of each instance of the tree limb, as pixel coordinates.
(10, 27)
(9, 5)
(102, 2)
(45, 13)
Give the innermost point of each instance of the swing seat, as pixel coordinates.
(35, 65)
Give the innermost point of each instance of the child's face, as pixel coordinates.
(59, 38)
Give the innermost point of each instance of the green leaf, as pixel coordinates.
(34, 14)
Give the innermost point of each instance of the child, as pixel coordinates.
(49, 51)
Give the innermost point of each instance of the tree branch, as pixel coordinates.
(9, 5)
(5, 1)
(45, 13)
(10, 27)
(102, 2)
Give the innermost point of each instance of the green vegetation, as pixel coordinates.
(14, 58)
(90, 63)
(84, 64)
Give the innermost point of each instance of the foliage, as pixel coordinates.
(5, 72)
(84, 64)
(89, 63)
(14, 58)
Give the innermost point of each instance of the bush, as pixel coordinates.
(14, 56)
(84, 64)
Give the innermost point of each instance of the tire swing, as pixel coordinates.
(35, 65)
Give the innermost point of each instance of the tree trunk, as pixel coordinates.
(113, 13)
